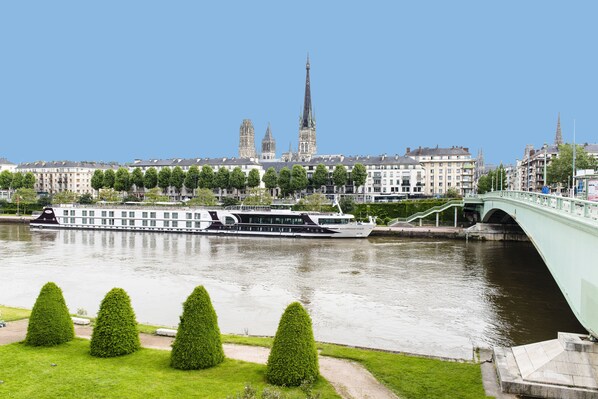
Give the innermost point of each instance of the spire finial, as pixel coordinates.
(307, 64)
(558, 139)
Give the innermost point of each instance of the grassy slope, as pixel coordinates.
(11, 314)
(409, 377)
(27, 373)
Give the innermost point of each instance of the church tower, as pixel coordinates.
(558, 139)
(307, 123)
(247, 140)
(268, 145)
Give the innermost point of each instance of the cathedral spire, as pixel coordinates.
(307, 119)
(558, 139)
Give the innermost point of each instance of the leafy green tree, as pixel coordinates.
(154, 195)
(294, 357)
(203, 197)
(298, 178)
(29, 180)
(192, 178)
(17, 181)
(491, 180)
(237, 179)
(65, 197)
(222, 179)
(206, 177)
(560, 169)
(5, 179)
(347, 204)
(122, 180)
(198, 343)
(284, 181)
(108, 195)
(339, 176)
(314, 202)
(109, 178)
(451, 192)
(177, 179)
(258, 196)
(253, 178)
(97, 180)
(24, 197)
(320, 176)
(270, 178)
(164, 178)
(359, 174)
(50, 323)
(150, 178)
(137, 179)
(85, 199)
(115, 330)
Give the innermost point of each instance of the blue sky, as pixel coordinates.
(119, 80)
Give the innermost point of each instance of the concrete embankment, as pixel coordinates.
(478, 232)
(15, 219)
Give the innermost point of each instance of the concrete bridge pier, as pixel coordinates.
(562, 368)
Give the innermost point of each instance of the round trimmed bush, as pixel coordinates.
(294, 357)
(197, 344)
(115, 331)
(50, 323)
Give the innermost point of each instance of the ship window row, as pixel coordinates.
(131, 215)
(275, 220)
(334, 221)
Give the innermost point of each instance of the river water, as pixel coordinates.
(436, 297)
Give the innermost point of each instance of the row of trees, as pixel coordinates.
(495, 179)
(288, 180)
(14, 181)
(197, 345)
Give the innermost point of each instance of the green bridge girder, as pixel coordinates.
(565, 233)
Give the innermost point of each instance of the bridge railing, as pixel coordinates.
(572, 206)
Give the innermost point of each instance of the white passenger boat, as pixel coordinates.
(240, 220)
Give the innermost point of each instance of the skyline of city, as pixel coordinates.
(156, 86)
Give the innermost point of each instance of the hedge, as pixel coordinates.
(294, 357)
(50, 323)
(197, 344)
(115, 331)
(392, 210)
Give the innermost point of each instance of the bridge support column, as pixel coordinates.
(437, 218)
(420, 222)
(455, 216)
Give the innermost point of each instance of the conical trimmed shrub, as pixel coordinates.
(50, 323)
(294, 357)
(197, 344)
(115, 331)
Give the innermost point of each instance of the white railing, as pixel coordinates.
(571, 206)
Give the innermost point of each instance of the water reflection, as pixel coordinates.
(424, 296)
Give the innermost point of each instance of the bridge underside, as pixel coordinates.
(568, 246)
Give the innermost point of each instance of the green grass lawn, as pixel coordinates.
(410, 377)
(11, 314)
(27, 372)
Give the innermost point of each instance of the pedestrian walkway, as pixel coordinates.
(350, 379)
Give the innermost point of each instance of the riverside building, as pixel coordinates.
(445, 168)
(56, 176)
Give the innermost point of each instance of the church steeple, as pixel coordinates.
(307, 119)
(268, 145)
(558, 139)
(307, 123)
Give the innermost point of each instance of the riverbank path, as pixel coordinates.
(350, 379)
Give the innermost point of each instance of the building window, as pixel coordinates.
(166, 215)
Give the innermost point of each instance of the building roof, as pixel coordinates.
(333, 160)
(68, 164)
(193, 161)
(425, 151)
(4, 161)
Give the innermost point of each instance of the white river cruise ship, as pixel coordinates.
(240, 221)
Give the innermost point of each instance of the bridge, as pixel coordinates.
(565, 233)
